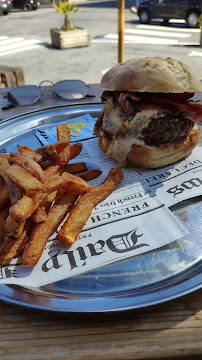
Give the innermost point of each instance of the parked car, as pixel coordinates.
(167, 9)
(26, 5)
(5, 7)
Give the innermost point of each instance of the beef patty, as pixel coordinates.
(166, 129)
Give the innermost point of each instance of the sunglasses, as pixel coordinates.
(31, 94)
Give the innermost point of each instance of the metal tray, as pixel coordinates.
(153, 278)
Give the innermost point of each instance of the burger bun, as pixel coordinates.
(145, 156)
(151, 74)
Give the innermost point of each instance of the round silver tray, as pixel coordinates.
(150, 279)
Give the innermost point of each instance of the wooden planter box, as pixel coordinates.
(70, 39)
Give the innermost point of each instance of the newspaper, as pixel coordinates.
(177, 182)
(131, 221)
(172, 184)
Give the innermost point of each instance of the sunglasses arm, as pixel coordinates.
(7, 107)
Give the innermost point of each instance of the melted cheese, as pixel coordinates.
(126, 132)
(119, 149)
(113, 118)
(140, 121)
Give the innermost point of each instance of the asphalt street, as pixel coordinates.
(25, 42)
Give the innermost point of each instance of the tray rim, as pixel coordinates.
(68, 309)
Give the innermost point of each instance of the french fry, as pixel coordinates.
(45, 163)
(60, 146)
(74, 183)
(66, 181)
(38, 188)
(84, 206)
(53, 168)
(15, 191)
(23, 149)
(48, 201)
(2, 182)
(75, 150)
(53, 183)
(5, 156)
(25, 207)
(3, 216)
(64, 156)
(75, 168)
(58, 164)
(43, 231)
(39, 214)
(23, 178)
(10, 248)
(89, 174)
(63, 133)
(60, 160)
(4, 164)
(46, 151)
(24, 239)
(28, 164)
(4, 197)
(12, 229)
(51, 150)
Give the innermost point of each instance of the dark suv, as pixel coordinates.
(25, 4)
(167, 9)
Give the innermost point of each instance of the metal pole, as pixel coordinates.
(121, 9)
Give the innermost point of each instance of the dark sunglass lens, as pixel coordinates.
(24, 95)
(71, 89)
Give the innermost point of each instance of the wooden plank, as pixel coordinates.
(8, 77)
(19, 76)
(12, 76)
(172, 330)
(70, 39)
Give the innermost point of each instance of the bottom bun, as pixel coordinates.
(145, 156)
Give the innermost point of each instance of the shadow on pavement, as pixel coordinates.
(162, 24)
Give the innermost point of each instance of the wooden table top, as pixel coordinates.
(169, 331)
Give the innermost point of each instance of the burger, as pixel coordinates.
(149, 119)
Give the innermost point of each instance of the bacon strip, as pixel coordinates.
(191, 110)
(124, 99)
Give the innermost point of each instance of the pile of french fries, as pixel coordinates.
(39, 189)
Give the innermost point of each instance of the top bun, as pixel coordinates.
(151, 74)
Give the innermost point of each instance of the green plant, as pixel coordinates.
(200, 25)
(200, 21)
(64, 7)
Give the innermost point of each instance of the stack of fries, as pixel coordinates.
(39, 189)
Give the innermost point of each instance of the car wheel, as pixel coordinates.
(27, 7)
(192, 19)
(5, 12)
(144, 16)
(165, 21)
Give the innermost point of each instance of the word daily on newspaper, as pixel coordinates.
(134, 219)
